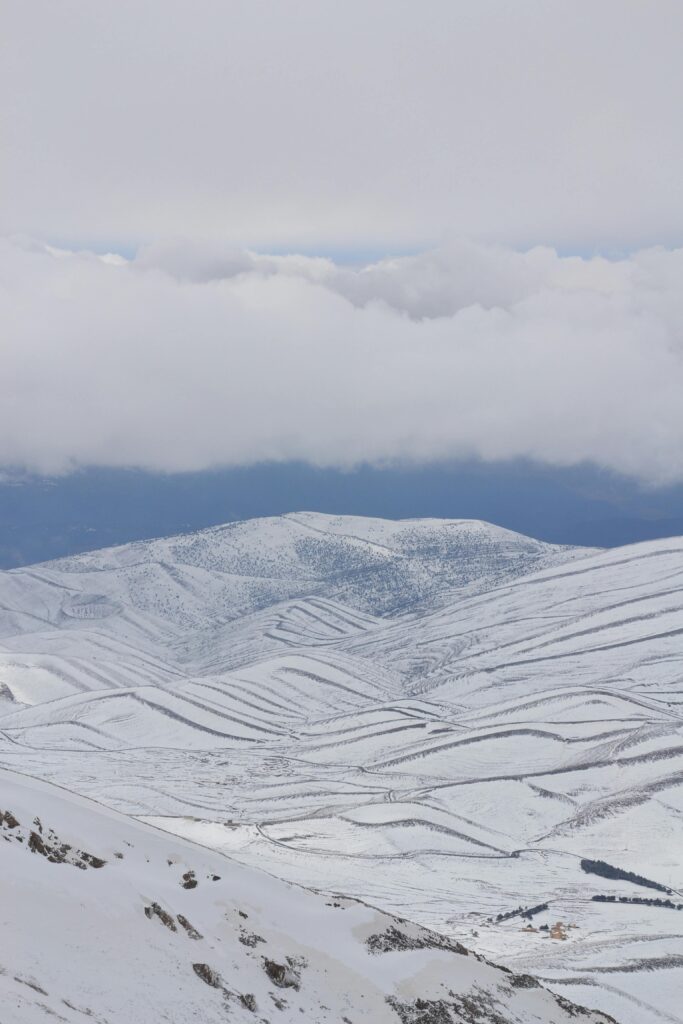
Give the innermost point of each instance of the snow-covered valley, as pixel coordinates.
(448, 721)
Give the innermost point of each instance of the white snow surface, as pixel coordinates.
(111, 920)
(441, 718)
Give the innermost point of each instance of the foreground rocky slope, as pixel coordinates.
(112, 921)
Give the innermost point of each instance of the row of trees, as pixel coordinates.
(526, 912)
(605, 870)
(641, 900)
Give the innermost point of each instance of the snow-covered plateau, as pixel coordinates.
(473, 731)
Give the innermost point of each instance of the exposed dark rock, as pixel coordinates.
(476, 1008)
(282, 975)
(249, 1001)
(208, 975)
(422, 1011)
(394, 939)
(189, 881)
(574, 1010)
(154, 910)
(55, 852)
(250, 939)
(190, 929)
(94, 862)
(524, 981)
(36, 844)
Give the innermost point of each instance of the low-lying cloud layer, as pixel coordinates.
(193, 356)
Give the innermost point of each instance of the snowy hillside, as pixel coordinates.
(445, 719)
(151, 611)
(113, 921)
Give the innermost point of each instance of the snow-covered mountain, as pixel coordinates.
(448, 720)
(111, 920)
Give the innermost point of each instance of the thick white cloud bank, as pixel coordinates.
(195, 356)
(321, 124)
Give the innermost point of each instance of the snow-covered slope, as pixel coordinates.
(110, 920)
(444, 719)
(149, 611)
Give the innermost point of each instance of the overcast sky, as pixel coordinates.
(319, 123)
(478, 138)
